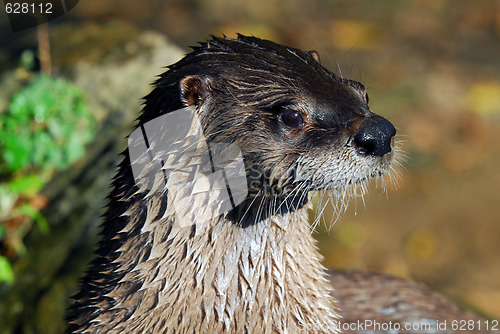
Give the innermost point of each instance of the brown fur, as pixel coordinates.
(255, 269)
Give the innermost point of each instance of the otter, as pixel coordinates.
(255, 267)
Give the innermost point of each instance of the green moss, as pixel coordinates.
(45, 127)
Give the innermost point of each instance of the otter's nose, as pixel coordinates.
(374, 136)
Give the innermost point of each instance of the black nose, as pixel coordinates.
(374, 136)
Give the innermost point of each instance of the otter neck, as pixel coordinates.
(220, 276)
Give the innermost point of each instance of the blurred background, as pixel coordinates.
(70, 90)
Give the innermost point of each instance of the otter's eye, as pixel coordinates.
(292, 118)
(365, 96)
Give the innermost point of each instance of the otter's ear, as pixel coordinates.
(315, 55)
(194, 90)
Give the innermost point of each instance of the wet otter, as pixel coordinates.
(254, 268)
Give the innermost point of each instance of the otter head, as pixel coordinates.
(299, 126)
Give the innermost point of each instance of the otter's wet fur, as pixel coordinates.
(255, 269)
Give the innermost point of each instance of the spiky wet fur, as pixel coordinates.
(255, 269)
